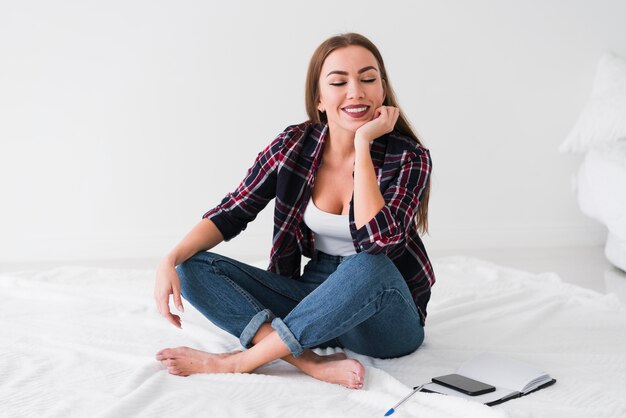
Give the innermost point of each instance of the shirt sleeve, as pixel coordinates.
(391, 225)
(257, 188)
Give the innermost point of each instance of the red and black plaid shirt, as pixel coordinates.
(286, 170)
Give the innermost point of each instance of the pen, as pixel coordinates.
(392, 410)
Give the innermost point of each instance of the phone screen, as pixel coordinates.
(464, 384)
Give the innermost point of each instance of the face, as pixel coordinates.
(351, 88)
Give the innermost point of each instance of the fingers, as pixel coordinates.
(388, 111)
(384, 121)
(396, 115)
(172, 319)
(389, 116)
(178, 302)
(175, 320)
(164, 309)
(167, 283)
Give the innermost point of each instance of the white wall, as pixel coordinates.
(121, 122)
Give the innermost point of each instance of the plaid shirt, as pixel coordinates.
(286, 170)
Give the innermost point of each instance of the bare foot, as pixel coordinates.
(335, 368)
(185, 361)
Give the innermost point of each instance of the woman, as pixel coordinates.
(351, 188)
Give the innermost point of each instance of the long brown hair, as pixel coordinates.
(312, 97)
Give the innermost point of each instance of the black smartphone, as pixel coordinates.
(464, 384)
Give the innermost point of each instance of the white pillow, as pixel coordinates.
(603, 118)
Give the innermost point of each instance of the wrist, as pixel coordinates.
(360, 138)
(362, 145)
(362, 151)
(170, 260)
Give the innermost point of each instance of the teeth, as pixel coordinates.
(357, 109)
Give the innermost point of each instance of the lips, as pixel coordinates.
(356, 111)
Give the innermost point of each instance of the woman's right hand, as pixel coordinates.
(204, 236)
(167, 283)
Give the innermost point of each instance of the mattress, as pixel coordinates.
(602, 195)
(80, 342)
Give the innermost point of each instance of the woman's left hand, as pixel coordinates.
(385, 118)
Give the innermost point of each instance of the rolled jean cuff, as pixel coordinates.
(248, 333)
(287, 336)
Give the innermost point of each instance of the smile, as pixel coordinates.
(356, 112)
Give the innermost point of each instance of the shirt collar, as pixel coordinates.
(314, 143)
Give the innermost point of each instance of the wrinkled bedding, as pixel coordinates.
(80, 342)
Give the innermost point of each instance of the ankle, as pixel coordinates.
(308, 362)
(235, 363)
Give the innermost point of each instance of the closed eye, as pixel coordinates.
(343, 82)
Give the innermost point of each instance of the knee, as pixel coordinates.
(185, 269)
(200, 259)
(189, 270)
(185, 272)
(377, 268)
(418, 339)
(410, 344)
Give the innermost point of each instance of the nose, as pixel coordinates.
(355, 90)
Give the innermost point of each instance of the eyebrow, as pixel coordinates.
(362, 70)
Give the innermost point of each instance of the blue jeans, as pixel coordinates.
(360, 302)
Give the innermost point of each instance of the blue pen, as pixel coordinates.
(392, 410)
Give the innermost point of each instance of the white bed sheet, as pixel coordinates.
(81, 342)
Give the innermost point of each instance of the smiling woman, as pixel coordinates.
(345, 66)
(351, 193)
(357, 93)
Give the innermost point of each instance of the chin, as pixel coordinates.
(357, 123)
(351, 126)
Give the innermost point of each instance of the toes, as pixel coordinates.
(165, 353)
(359, 374)
(358, 381)
(172, 352)
(354, 384)
(353, 381)
(178, 372)
(359, 370)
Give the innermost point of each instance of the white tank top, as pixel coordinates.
(332, 232)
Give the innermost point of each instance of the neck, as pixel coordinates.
(339, 143)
